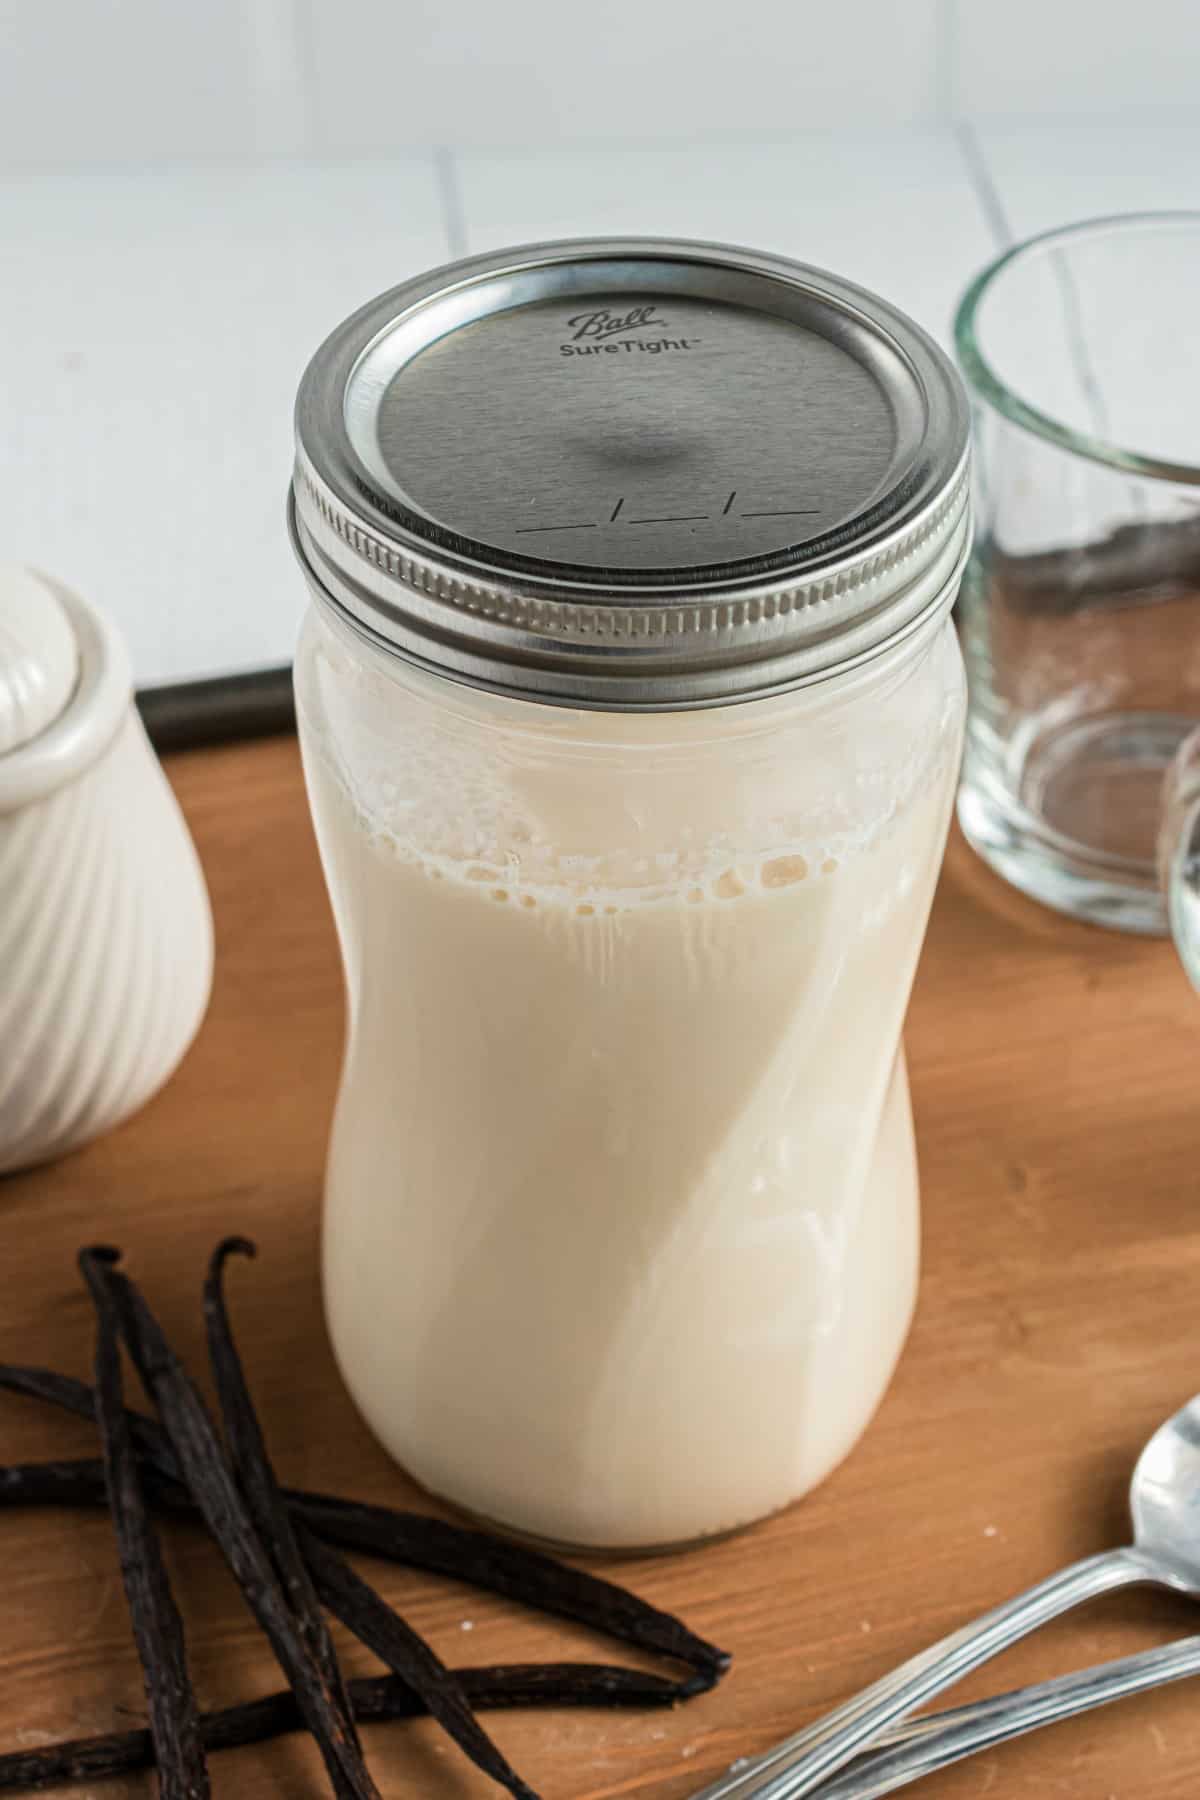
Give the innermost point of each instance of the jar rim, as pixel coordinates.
(937, 607)
(986, 383)
(863, 389)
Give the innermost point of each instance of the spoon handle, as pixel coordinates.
(928, 1744)
(799, 1764)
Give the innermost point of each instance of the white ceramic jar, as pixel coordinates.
(631, 856)
(105, 930)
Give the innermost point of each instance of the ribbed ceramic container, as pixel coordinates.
(105, 928)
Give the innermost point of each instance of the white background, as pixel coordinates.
(192, 192)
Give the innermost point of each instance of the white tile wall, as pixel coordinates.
(278, 47)
(895, 210)
(1046, 175)
(152, 332)
(88, 81)
(153, 321)
(1062, 57)
(536, 71)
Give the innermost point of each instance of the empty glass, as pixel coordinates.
(1179, 853)
(1081, 607)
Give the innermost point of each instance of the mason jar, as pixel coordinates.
(631, 715)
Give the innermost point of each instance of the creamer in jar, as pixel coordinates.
(631, 715)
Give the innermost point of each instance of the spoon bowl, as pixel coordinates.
(1164, 1501)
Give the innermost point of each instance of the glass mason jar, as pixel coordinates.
(630, 876)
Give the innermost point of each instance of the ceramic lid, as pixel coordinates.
(39, 657)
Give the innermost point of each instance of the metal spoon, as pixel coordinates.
(1164, 1500)
(918, 1747)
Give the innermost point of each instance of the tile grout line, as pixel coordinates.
(306, 59)
(280, 78)
(981, 178)
(945, 57)
(445, 171)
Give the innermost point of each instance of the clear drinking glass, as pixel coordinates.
(1179, 853)
(1081, 606)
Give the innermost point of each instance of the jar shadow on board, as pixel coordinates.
(1080, 607)
(631, 857)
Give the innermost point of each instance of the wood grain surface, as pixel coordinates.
(1056, 1078)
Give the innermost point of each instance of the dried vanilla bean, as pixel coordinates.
(157, 1626)
(77, 1483)
(296, 1551)
(374, 1699)
(260, 1490)
(278, 1543)
(202, 1462)
(508, 1568)
(418, 1541)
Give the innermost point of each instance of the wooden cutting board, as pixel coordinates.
(1056, 1079)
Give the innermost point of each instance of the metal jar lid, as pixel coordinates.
(631, 473)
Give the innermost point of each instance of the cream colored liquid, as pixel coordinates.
(621, 1224)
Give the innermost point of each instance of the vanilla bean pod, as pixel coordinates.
(508, 1568)
(302, 1559)
(154, 1616)
(256, 1478)
(418, 1541)
(278, 1543)
(373, 1699)
(201, 1459)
